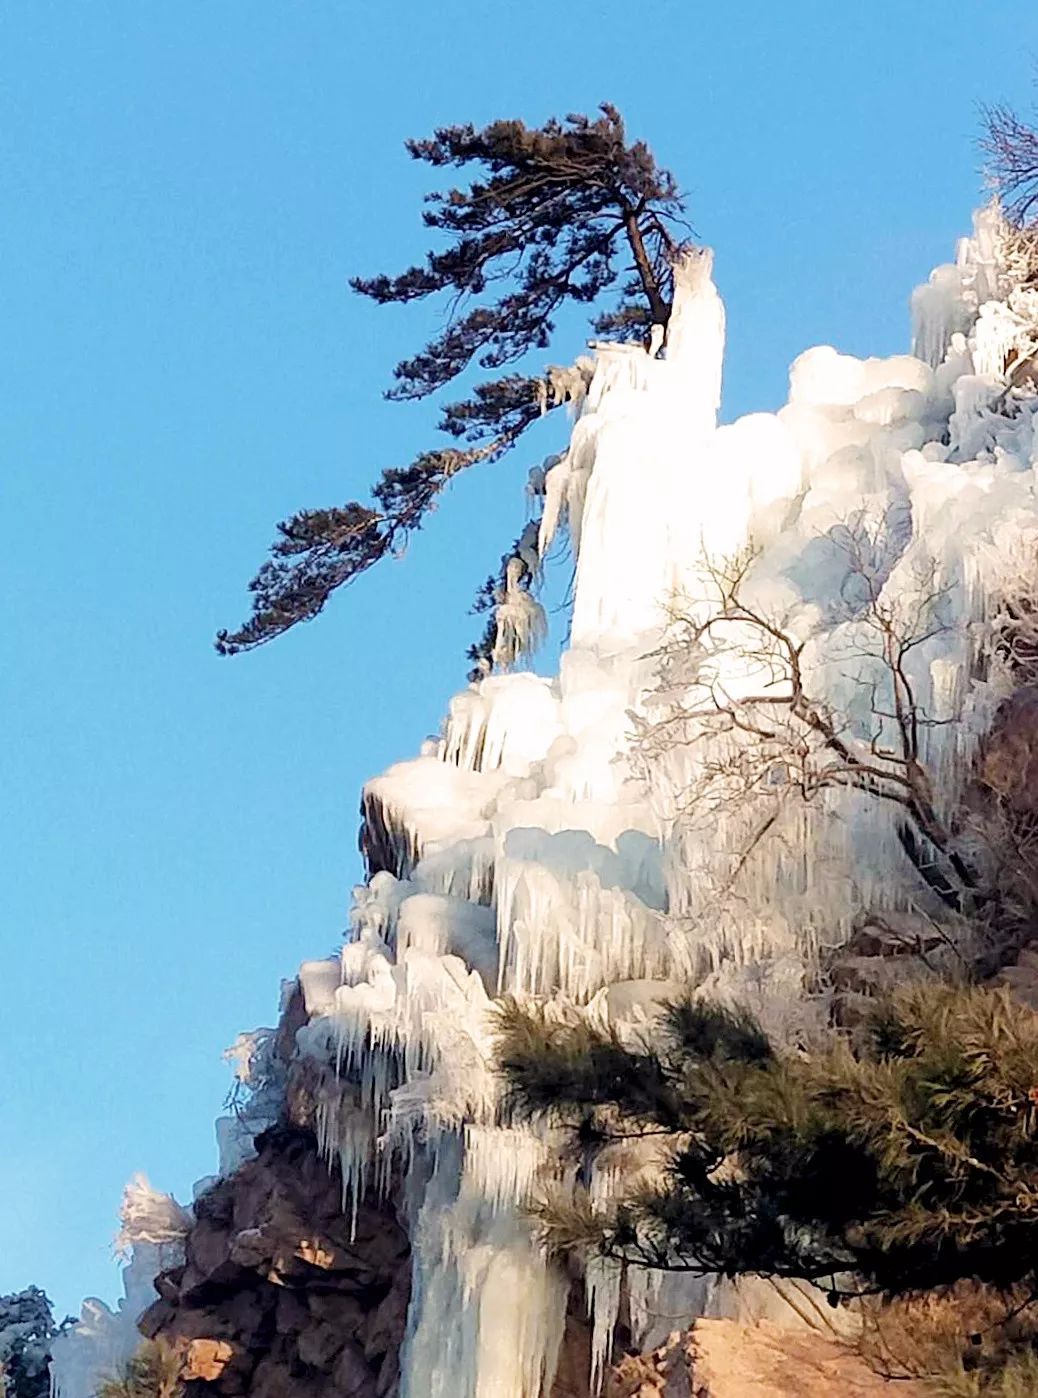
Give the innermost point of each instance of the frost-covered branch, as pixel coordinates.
(1011, 146)
(734, 689)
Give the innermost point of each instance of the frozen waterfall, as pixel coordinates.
(549, 844)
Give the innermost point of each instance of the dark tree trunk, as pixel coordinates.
(658, 305)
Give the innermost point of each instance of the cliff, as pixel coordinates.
(598, 838)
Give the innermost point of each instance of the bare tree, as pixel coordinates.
(1011, 147)
(765, 741)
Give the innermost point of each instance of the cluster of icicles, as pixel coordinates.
(535, 850)
(531, 853)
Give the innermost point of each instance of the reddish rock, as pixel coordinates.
(206, 1360)
(730, 1359)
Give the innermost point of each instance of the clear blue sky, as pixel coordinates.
(186, 188)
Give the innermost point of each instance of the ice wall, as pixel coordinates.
(585, 838)
(542, 849)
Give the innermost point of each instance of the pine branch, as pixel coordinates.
(540, 227)
(910, 1158)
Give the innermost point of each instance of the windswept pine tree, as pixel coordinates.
(571, 212)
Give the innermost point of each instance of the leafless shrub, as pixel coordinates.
(963, 1341)
(1010, 145)
(766, 745)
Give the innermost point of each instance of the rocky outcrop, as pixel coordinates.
(1009, 757)
(276, 1298)
(883, 952)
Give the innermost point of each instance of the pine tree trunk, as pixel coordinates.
(660, 309)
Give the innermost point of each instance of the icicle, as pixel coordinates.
(521, 625)
(346, 1134)
(938, 313)
(544, 846)
(602, 1279)
(503, 1164)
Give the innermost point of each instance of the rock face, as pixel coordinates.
(727, 1359)
(275, 1299)
(1009, 760)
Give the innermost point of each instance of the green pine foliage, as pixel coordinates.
(905, 1161)
(569, 213)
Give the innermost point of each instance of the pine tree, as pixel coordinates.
(153, 1372)
(565, 213)
(906, 1160)
(27, 1330)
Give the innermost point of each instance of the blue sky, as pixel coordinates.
(187, 188)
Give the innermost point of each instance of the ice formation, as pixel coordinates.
(151, 1233)
(540, 850)
(593, 839)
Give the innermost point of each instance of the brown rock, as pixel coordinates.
(167, 1284)
(727, 1359)
(340, 1308)
(291, 1313)
(246, 1313)
(897, 935)
(1009, 758)
(292, 1020)
(208, 1247)
(573, 1372)
(389, 1376)
(206, 1359)
(157, 1319)
(386, 1323)
(273, 1378)
(352, 1376)
(250, 1247)
(276, 1299)
(318, 1344)
(1022, 977)
(865, 975)
(322, 1252)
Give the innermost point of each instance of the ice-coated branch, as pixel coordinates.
(744, 699)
